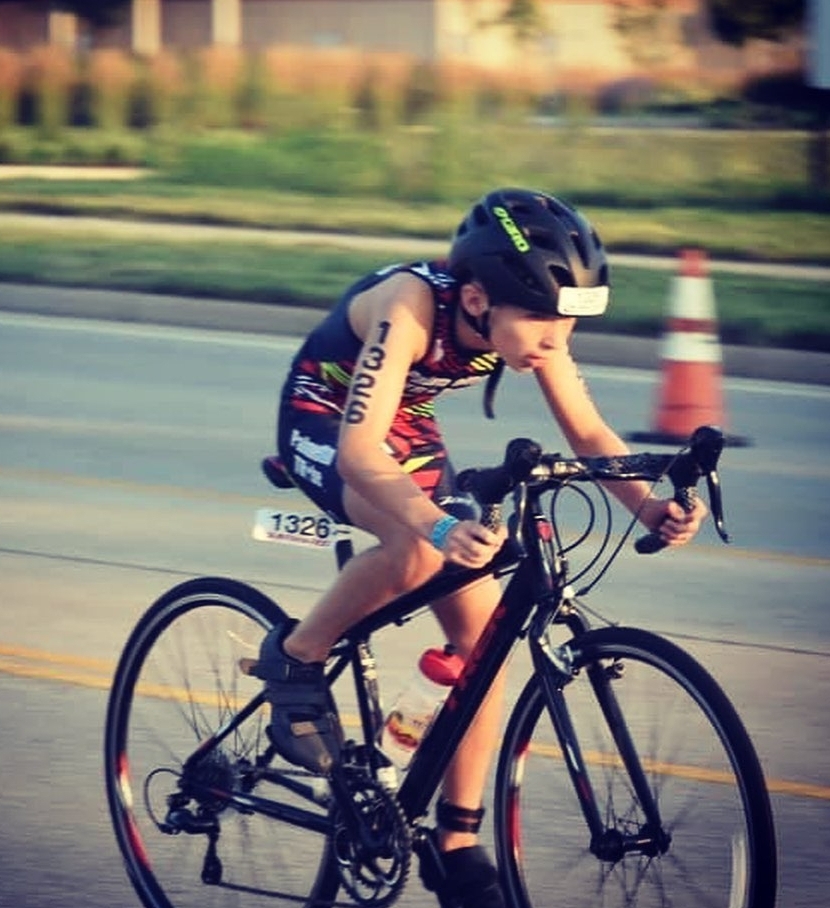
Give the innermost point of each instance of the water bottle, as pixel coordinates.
(417, 705)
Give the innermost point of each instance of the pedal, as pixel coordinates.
(432, 872)
(248, 666)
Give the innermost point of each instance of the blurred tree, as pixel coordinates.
(647, 29)
(737, 21)
(97, 12)
(525, 19)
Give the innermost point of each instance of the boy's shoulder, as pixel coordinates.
(434, 272)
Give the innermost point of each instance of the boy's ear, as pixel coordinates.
(474, 299)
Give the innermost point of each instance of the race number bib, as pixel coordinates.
(312, 529)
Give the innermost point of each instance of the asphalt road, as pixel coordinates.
(235, 315)
(128, 461)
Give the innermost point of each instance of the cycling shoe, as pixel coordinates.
(304, 728)
(467, 879)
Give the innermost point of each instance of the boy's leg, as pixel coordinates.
(463, 617)
(369, 580)
(467, 877)
(304, 727)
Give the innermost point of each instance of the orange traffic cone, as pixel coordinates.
(690, 393)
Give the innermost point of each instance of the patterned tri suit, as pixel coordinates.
(314, 397)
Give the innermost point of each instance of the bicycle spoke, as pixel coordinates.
(187, 844)
(714, 848)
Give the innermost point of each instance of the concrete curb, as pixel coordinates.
(158, 309)
(228, 315)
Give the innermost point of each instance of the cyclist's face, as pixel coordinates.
(526, 340)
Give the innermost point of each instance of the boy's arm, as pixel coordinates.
(588, 434)
(396, 324)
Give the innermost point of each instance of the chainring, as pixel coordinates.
(373, 875)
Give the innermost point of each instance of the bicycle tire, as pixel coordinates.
(177, 681)
(700, 765)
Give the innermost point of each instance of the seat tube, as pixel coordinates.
(367, 691)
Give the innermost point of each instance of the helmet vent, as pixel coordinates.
(561, 277)
(542, 239)
(480, 216)
(579, 244)
(522, 273)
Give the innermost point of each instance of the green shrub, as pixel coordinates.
(11, 81)
(160, 90)
(313, 162)
(218, 79)
(111, 75)
(50, 76)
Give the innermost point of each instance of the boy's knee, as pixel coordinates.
(412, 566)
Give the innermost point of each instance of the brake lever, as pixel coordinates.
(716, 504)
(701, 460)
(706, 447)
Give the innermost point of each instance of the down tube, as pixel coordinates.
(488, 656)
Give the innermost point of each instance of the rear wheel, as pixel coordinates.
(178, 682)
(716, 846)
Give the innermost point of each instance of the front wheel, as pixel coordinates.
(717, 844)
(177, 686)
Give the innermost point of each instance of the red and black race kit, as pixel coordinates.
(314, 398)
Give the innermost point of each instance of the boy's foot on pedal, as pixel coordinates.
(472, 880)
(304, 725)
(462, 878)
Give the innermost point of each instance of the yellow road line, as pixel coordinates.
(39, 655)
(696, 773)
(86, 671)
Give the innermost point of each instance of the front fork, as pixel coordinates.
(555, 667)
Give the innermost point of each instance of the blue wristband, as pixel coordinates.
(441, 529)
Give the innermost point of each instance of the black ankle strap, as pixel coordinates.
(453, 818)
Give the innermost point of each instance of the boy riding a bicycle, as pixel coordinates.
(358, 434)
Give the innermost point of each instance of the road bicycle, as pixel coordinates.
(624, 777)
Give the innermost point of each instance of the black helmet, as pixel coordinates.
(525, 247)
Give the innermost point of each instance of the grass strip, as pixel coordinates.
(728, 229)
(751, 309)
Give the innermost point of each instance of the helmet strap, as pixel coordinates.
(493, 380)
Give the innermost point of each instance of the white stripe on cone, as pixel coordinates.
(691, 347)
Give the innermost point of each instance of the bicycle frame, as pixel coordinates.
(534, 597)
(363, 825)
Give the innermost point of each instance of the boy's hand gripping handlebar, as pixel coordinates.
(686, 469)
(490, 486)
(524, 462)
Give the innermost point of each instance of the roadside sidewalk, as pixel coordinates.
(229, 315)
(393, 244)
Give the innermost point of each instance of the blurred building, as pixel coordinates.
(575, 38)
